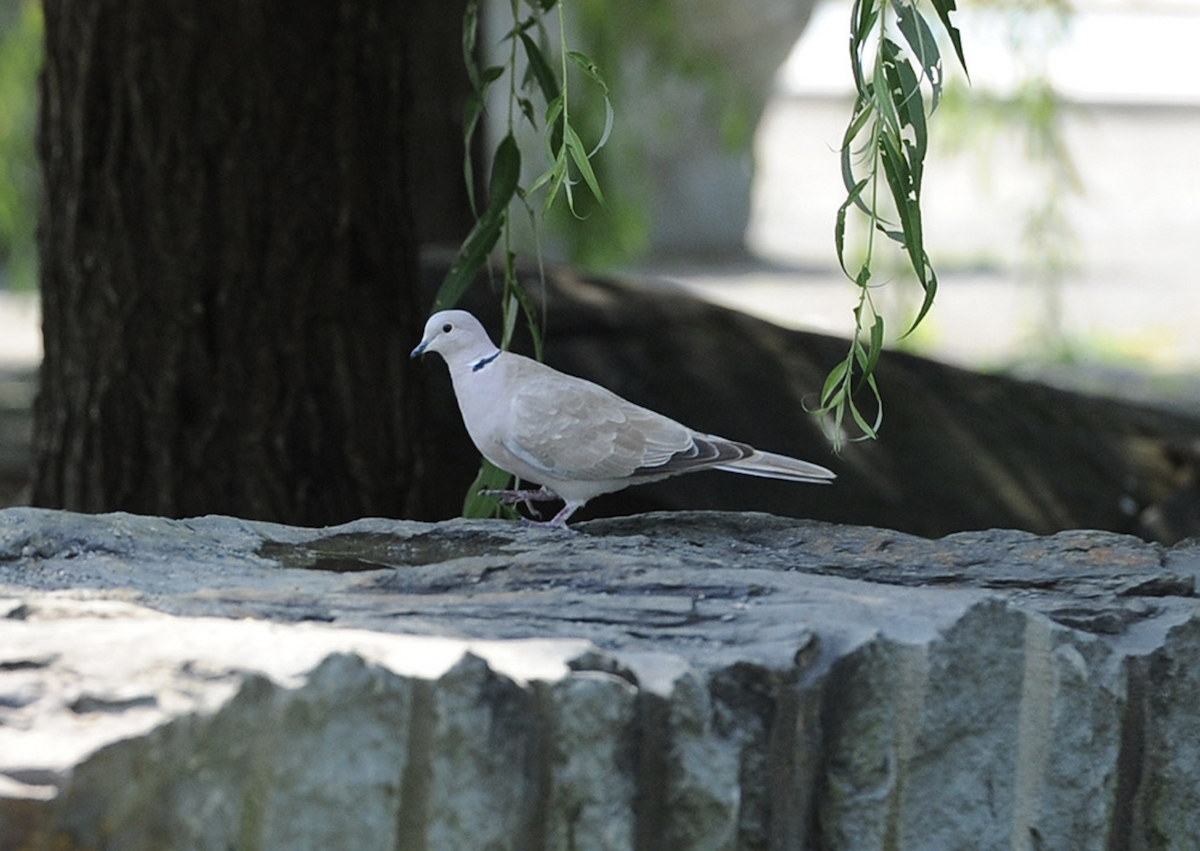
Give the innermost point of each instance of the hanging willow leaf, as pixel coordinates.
(579, 154)
(470, 41)
(882, 164)
(834, 381)
(943, 9)
(588, 67)
(540, 68)
(930, 285)
(910, 107)
(863, 17)
(921, 42)
(480, 504)
(593, 73)
(839, 230)
(536, 79)
(854, 185)
(506, 174)
(884, 99)
(472, 113)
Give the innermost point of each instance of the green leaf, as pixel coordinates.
(899, 179)
(510, 306)
(589, 67)
(470, 259)
(884, 104)
(470, 36)
(943, 9)
(531, 317)
(546, 80)
(506, 172)
(864, 275)
(834, 382)
(558, 182)
(870, 430)
(839, 233)
(554, 115)
(477, 504)
(910, 106)
(526, 107)
(920, 40)
(895, 169)
(930, 285)
(839, 229)
(471, 115)
(863, 17)
(889, 124)
(540, 181)
(480, 80)
(899, 176)
(609, 118)
(862, 115)
(875, 347)
(579, 154)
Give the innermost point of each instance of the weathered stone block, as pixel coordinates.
(661, 682)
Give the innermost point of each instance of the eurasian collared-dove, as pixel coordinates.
(572, 437)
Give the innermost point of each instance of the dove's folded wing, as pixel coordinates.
(573, 429)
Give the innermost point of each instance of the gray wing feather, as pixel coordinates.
(573, 429)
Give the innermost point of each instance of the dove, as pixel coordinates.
(572, 437)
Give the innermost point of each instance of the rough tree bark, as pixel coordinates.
(228, 261)
(439, 196)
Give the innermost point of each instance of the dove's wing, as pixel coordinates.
(572, 429)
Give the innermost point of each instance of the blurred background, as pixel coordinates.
(20, 60)
(1060, 196)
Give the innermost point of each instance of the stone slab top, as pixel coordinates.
(708, 587)
(112, 624)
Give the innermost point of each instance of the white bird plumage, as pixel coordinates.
(573, 437)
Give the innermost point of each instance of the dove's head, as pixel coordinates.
(457, 336)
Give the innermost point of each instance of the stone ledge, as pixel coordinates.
(666, 681)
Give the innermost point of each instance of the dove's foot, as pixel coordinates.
(522, 497)
(509, 497)
(527, 498)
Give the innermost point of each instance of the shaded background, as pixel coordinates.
(1059, 195)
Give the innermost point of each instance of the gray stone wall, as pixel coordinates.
(665, 681)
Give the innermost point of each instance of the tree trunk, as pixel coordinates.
(439, 98)
(229, 270)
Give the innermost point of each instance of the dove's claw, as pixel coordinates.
(521, 497)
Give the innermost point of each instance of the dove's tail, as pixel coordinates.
(772, 466)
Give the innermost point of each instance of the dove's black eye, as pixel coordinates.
(447, 328)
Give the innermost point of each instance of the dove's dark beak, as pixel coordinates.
(419, 350)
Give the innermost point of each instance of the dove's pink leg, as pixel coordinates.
(558, 521)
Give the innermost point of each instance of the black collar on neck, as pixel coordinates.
(482, 362)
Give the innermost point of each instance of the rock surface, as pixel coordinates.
(667, 681)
